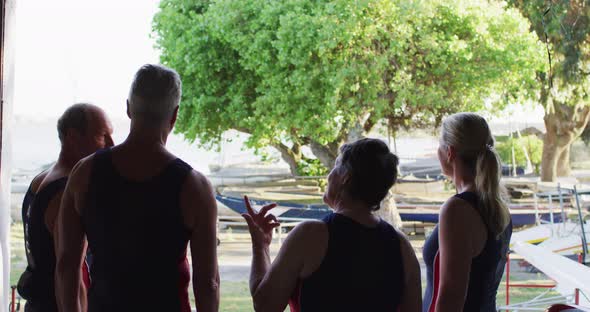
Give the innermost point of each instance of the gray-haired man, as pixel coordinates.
(139, 206)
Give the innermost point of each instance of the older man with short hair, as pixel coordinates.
(82, 129)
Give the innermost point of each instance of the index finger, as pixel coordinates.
(248, 206)
(266, 208)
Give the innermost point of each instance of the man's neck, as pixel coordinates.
(145, 136)
(66, 161)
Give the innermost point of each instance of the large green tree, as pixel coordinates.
(565, 89)
(297, 73)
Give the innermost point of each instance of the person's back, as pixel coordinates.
(139, 206)
(361, 271)
(38, 277)
(486, 271)
(137, 235)
(78, 129)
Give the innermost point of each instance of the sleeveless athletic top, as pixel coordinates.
(138, 239)
(37, 282)
(362, 270)
(486, 269)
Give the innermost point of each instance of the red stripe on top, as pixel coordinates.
(184, 274)
(436, 282)
(85, 275)
(295, 300)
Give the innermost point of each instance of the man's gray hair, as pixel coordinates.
(155, 92)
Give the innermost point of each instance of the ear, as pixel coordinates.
(451, 153)
(128, 113)
(72, 137)
(174, 117)
(344, 178)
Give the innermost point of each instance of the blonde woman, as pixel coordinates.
(466, 253)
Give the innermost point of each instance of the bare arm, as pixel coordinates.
(271, 285)
(70, 244)
(51, 222)
(455, 254)
(199, 205)
(412, 297)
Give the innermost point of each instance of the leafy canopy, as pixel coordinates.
(530, 143)
(565, 27)
(301, 70)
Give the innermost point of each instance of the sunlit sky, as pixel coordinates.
(79, 50)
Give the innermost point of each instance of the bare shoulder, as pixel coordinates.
(308, 234)
(311, 228)
(197, 200)
(83, 166)
(80, 173)
(457, 211)
(405, 244)
(308, 243)
(197, 185)
(36, 182)
(197, 179)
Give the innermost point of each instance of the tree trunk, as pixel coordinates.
(292, 156)
(563, 163)
(549, 158)
(389, 212)
(355, 133)
(564, 123)
(325, 153)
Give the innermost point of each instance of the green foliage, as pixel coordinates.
(311, 167)
(532, 144)
(296, 71)
(566, 29)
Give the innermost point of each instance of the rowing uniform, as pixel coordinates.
(362, 270)
(37, 283)
(486, 272)
(138, 239)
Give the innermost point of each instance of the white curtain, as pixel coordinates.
(9, 20)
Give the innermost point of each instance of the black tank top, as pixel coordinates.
(362, 270)
(138, 239)
(486, 269)
(37, 283)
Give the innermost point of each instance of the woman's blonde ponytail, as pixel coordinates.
(493, 209)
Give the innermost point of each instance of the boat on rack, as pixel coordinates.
(427, 213)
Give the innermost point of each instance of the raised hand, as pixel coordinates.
(260, 224)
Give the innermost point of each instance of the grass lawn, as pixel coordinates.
(235, 297)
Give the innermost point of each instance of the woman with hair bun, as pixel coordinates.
(466, 253)
(349, 261)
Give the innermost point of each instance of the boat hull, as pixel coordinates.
(520, 217)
